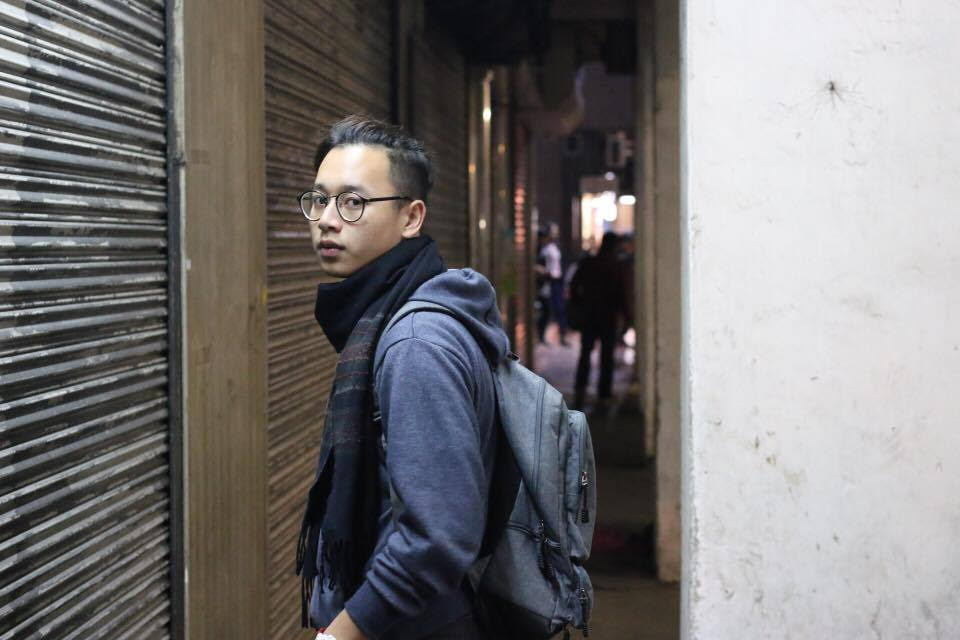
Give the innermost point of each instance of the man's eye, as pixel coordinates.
(320, 200)
(354, 202)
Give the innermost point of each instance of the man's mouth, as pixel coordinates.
(329, 249)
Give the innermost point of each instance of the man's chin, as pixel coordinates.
(334, 269)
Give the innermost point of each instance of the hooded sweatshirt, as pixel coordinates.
(433, 378)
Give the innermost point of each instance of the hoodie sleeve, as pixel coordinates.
(434, 461)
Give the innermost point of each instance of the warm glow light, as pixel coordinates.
(487, 113)
(628, 199)
(482, 224)
(605, 206)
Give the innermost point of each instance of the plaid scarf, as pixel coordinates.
(343, 505)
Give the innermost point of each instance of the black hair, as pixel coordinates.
(609, 244)
(411, 169)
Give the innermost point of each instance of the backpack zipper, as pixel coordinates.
(585, 611)
(584, 483)
(546, 568)
(584, 476)
(540, 538)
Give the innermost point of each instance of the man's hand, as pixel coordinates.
(343, 628)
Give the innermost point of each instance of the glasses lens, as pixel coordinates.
(350, 206)
(312, 204)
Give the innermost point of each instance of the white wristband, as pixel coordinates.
(324, 636)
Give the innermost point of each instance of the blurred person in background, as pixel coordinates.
(552, 267)
(542, 283)
(599, 289)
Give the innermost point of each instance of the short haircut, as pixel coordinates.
(411, 169)
(610, 243)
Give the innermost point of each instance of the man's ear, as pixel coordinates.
(414, 215)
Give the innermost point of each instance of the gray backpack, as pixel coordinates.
(530, 580)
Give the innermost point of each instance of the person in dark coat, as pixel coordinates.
(599, 290)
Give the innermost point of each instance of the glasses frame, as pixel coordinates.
(336, 202)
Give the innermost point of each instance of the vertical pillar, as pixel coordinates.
(668, 287)
(479, 169)
(645, 225)
(502, 255)
(408, 20)
(479, 166)
(218, 79)
(530, 248)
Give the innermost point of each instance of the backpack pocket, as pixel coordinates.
(521, 584)
(581, 600)
(580, 488)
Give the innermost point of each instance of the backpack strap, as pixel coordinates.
(412, 306)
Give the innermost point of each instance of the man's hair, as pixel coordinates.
(411, 169)
(609, 244)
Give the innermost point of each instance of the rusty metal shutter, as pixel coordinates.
(523, 325)
(84, 461)
(439, 120)
(324, 60)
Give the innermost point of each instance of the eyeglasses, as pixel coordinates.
(350, 205)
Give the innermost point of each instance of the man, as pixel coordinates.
(397, 512)
(599, 285)
(552, 268)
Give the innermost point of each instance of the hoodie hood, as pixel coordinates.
(472, 299)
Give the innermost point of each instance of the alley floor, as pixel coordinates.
(630, 603)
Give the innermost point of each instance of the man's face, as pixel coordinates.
(345, 247)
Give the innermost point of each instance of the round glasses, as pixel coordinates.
(350, 205)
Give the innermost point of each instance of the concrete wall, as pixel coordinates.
(822, 366)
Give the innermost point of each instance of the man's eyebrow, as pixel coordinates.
(347, 187)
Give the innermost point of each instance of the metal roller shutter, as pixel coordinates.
(84, 461)
(521, 242)
(439, 119)
(323, 60)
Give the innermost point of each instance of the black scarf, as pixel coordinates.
(344, 502)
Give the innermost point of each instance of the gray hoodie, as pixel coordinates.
(434, 384)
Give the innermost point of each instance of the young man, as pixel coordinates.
(396, 515)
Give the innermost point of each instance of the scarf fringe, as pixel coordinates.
(306, 548)
(335, 568)
(338, 566)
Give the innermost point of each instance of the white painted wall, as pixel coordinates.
(822, 319)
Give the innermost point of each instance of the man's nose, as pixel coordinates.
(329, 218)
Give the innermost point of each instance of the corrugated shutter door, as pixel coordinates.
(84, 504)
(324, 60)
(439, 119)
(521, 239)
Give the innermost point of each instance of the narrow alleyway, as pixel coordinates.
(631, 604)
